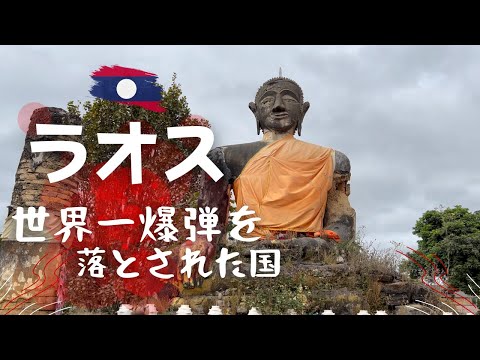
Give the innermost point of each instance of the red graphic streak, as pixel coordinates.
(116, 70)
(448, 285)
(35, 274)
(434, 267)
(424, 274)
(52, 285)
(115, 198)
(451, 286)
(445, 273)
(423, 277)
(38, 278)
(38, 293)
(149, 105)
(445, 285)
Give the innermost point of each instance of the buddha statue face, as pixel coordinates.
(279, 106)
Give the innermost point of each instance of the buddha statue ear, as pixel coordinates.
(253, 108)
(305, 107)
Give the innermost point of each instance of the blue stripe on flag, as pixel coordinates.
(106, 88)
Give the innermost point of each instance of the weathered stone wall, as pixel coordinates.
(30, 270)
(30, 274)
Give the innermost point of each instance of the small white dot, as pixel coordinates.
(126, 89)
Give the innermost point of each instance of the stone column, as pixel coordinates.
(29, 271)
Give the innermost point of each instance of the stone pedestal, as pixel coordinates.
(315, 275)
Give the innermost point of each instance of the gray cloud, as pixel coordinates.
(407, 116)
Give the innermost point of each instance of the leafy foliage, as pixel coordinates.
(277, 296)
(115, 197)
(453, 236)
(103, 116)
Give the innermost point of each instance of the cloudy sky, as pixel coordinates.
(406, 116)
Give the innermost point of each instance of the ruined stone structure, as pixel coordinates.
(315, 275)
(31, 270)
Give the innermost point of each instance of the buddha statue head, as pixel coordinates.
(279, 107)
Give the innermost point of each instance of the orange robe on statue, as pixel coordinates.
(286, 184)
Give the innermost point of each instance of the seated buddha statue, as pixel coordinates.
(291, 185)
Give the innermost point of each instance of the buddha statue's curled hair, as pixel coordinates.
(272, 81)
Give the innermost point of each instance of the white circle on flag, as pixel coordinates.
(126, 89)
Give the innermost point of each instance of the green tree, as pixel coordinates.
(103, 116)
(453, 236)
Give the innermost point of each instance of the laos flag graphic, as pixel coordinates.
(127, 86)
